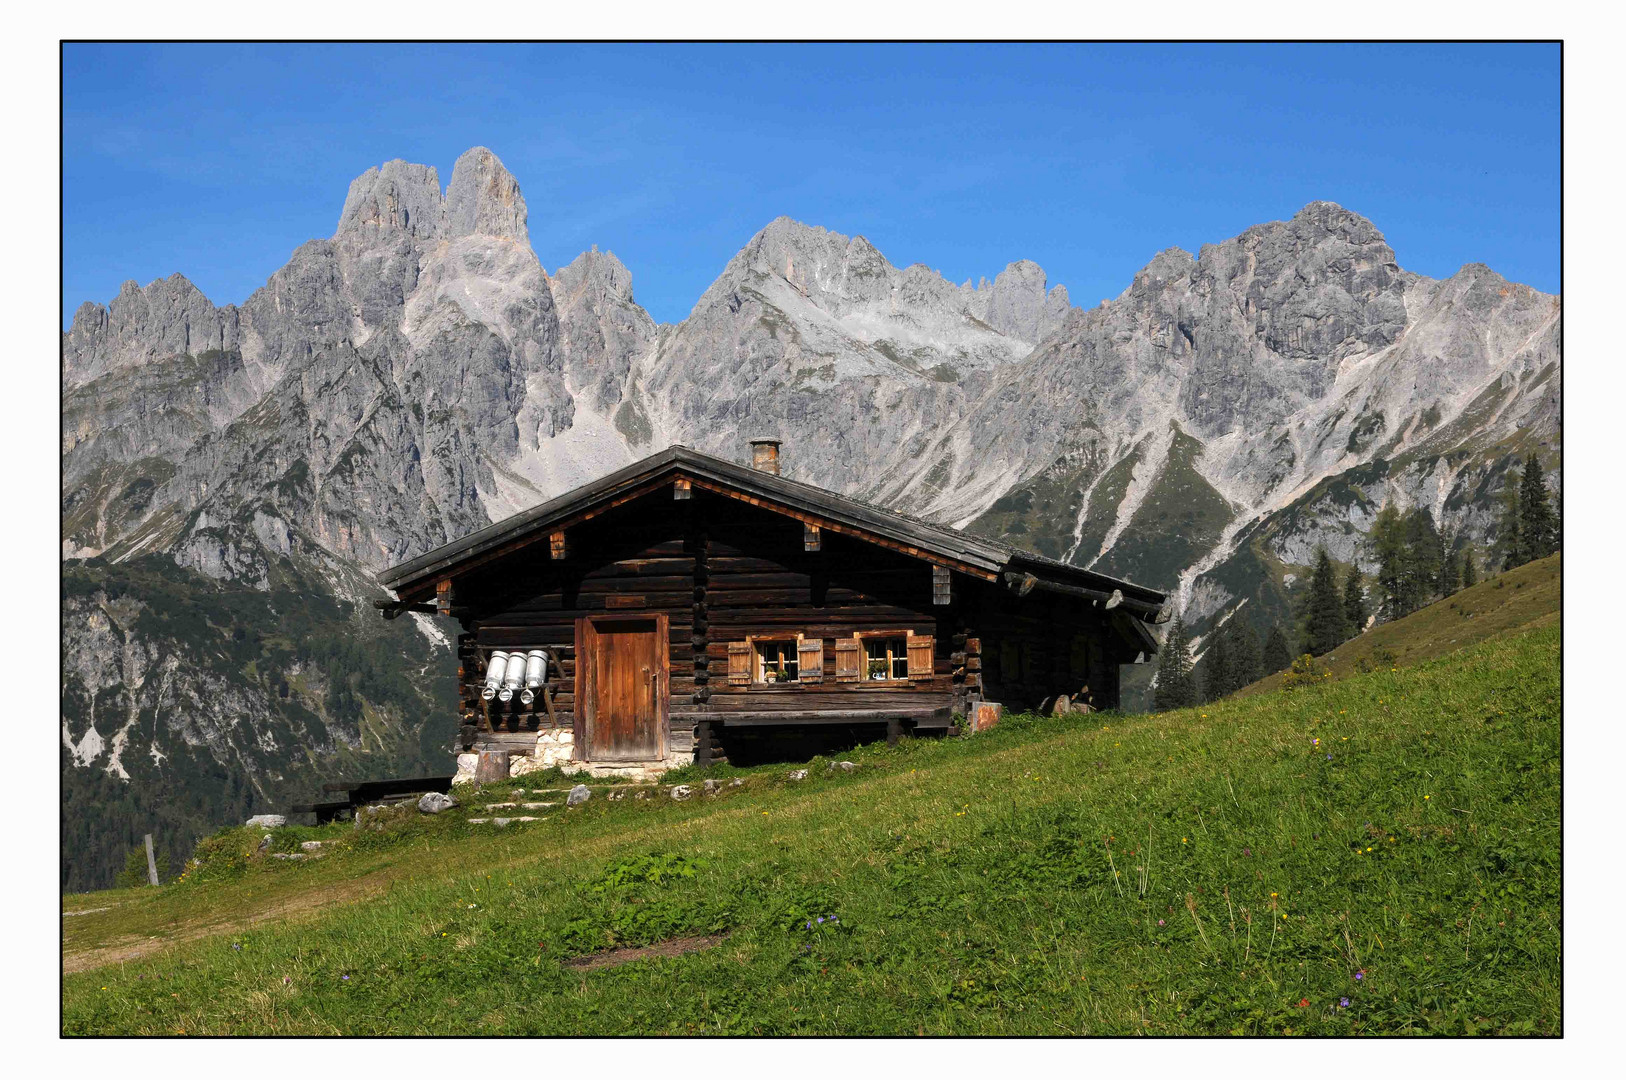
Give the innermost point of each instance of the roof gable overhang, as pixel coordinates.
(976, 556)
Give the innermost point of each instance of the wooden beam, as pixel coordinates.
(391, 609)
(556, 544)
(941, 593)
(1023, 584)
(811, 538)
(770, 717)
(443, 596)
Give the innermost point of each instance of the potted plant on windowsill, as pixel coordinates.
(781, 676)
(877, 669)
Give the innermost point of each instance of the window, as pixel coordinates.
(886, 657)
(776, 662)
(772, 661)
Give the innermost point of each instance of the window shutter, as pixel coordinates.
(810, 660)
(920, 657)
(849, 658)
(739, 663)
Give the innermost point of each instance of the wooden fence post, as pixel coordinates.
(152, 864)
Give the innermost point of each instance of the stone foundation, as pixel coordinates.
(558, 748)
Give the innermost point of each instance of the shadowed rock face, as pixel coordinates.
(418, 374)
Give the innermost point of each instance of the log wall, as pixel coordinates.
(720, 570)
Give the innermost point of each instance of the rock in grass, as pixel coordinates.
(578, 795)
(799, 774)
(435, 801)
(265, 841)
(681, 792)
(844, 766)
(267, 821)
(712, 787)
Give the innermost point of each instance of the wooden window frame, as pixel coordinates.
(758, 674)
(864, 675)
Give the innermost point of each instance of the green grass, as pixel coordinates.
(1207, 871)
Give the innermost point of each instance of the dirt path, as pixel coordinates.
(291, 907)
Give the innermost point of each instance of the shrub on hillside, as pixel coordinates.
(1306, 671)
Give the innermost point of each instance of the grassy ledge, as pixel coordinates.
(1377, 855)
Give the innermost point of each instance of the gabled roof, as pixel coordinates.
(976, 555)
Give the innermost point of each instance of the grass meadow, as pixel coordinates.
(1376, 855)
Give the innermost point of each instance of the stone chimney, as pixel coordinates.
(765, 455)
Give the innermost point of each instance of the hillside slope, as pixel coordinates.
(1377, 855)
(1520, 599)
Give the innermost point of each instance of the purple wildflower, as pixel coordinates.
(1247, 852)
(1343, 1003)
(821, 918)
(346, 978)
(236, 946)
(1160, 922)
(1360, 975)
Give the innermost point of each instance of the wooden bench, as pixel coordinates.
(361, 792)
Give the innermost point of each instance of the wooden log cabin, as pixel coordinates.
(686, 604)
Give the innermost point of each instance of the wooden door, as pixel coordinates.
(624, 664)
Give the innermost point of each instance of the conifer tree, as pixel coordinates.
(1246, 660)
(1470, 567)
(1450, 574)
(1174, 683)
(1389, 547)
(1277, 655)
(1324, 620)
(1422, 578)
(1537, 533)
(1354, 601)
(1218, 678)
(1511, 541)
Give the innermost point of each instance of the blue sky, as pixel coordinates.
(218, 160)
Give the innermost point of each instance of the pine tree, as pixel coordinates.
(1389, 548)
(1277, 654)
(1354, 601)
(1174, 683)
(1246, 660)
(1511, 541)
(1324, 621)
(1218, 677)
(1536, 526)
(1470, 567)
(1422, 578)
(1450, 574)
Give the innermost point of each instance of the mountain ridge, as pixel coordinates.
(419, 374)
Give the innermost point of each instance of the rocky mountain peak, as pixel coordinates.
(397, 196)
(483, 199)
(594, 270)
(168, 317)
(1017, 303)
